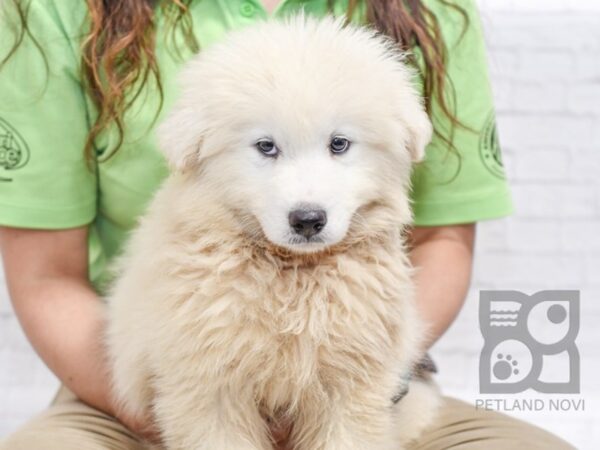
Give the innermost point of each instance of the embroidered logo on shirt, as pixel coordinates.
(489, 148)
(14, 152)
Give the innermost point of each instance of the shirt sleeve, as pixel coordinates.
(44, 179)
(467, 184)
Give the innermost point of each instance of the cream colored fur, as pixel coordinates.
(216, 322)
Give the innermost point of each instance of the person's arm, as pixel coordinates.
(47, 277)
(443, 256)
(61, 314)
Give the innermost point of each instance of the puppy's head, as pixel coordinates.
(305, 128)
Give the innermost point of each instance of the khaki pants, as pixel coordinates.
(69, 424)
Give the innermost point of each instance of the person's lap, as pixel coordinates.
(462, 426)
(69, 424)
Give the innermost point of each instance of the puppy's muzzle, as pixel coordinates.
(307, 222)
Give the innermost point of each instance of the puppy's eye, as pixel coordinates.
(267, 147)
(339, 144)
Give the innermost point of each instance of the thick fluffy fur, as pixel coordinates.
(220, 318)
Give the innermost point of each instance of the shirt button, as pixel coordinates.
(247, 9)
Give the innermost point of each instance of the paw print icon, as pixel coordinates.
(529, 342)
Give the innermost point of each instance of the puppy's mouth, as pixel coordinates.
(303, 244)
(301, 240)
(294, 244)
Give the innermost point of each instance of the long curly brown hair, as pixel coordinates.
(118, 55)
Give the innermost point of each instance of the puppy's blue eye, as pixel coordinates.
(339, 144)
(267, 147)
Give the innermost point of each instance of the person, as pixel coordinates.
(82, 87)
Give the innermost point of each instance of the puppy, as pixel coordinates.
(268, 281)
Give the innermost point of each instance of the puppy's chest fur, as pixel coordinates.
(290, 329)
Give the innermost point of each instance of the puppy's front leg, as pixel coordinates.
(362, 420)
(198, 420)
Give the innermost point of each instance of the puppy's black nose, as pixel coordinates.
(308, 222)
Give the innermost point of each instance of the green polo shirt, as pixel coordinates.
(45, 116)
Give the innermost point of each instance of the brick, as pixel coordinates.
(492, 235)
(543, 131)
(585, 5)
(527, 33)
(543, 165)
(553, 201)
(529, 272)
(542, 5)
(580, 236)
(592, 269)
(536, 97)
(534, 236)
(546, 65)
(12, 335)
(585, 166)
(587, 68)
(585, 98)
(496, 5)
(5, 306)
(587, 340)
(24, 400)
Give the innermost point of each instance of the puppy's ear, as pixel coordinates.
(180, 137)
(410, 109)
(420, 131)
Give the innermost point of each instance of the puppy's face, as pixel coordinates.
(305, 129)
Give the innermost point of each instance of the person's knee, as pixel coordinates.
(33, 440)
(71, 432)
(461, 425)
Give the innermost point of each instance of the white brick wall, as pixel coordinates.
(546, 77)
(545, 63)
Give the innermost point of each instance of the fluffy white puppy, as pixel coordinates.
(268, 280)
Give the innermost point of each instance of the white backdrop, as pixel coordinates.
(545, 62)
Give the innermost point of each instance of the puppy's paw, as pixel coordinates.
(417, 410)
